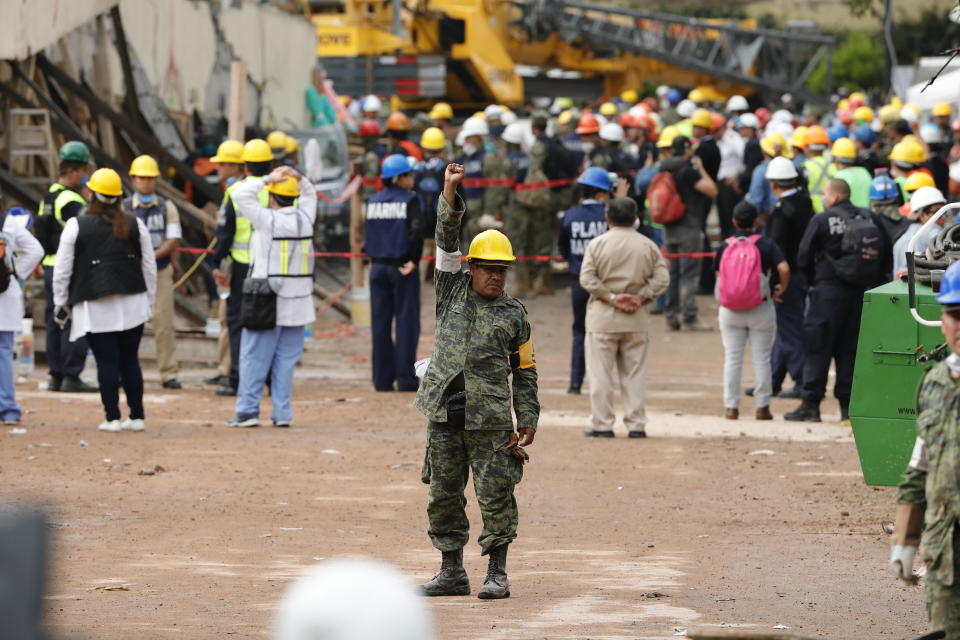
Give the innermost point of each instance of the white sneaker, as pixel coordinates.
(132, 424)
(110, 425)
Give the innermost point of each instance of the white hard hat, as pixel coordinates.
(611, 132)
(737, 103)
(924, 197)
(908, 114)
(781, 168)
(639, 109)
(514, 133)
(474, 127)
(686, 108)
(662, 90)
(931, 133)
(507, 118)
(748, 120)
(782, 115)
(353, 599)
(783, 128)
(493, 112)
(372, 103)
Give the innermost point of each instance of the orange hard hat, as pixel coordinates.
(718, 121)
(588, 124)
(845, 116)
(644, 122)
(397, 121)
(627, 120)
(816, 135)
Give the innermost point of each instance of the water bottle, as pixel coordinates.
(24, 349)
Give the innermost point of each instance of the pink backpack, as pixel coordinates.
(741, 274)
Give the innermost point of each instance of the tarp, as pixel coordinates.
(29, 26)
(946, 88)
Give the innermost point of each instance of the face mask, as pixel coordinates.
(587, 147)
(469, 148)
(145, 198)
(231, 180)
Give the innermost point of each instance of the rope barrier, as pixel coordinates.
(349, 254)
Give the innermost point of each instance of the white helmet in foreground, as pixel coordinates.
(352, 599)
(924, 197)
(737, 103)
(611, 132)
(781, 168)
(686, 108)
(474, 127)
(514, 133)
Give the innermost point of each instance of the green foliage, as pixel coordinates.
(930, 34)
(858, 63)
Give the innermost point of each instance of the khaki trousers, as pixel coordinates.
(617, 358)
(223, 342)
(163, 331)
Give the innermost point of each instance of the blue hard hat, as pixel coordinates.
(950, 285)
(836, 132)
(394, 165)
(674, 96)
(883, 188)
(865, 135)
(595, 177)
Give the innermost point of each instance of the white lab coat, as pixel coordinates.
(27, 254)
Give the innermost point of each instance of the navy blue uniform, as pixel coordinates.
(428, 182)
(521, 161)
(393, 235)
(574, 145)
(581, 224)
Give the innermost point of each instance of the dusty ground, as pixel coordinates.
(726, 535)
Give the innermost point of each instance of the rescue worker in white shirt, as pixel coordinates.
(62, 202)
(20, 253)
(234, 233)
(162, 220)
(393, 238)
(105, 281)
(281, 254)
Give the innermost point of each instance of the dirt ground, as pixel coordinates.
(706, 523)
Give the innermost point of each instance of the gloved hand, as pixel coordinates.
(901, 562)
(61, 315)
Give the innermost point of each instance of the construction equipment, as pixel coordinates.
(467, 51)
(899, 340)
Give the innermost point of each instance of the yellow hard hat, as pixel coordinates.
(858, 96)
(292, 145)
(774, 144)
(909, 151)
(433, 139)
(144, 167)
(702, 118)
(667, 135)
(565, 117)
(913, 108)
(863, 113)
(942, 109)
(441, 111)
(889, 112)
(917, 180)
(630, 95)
(286, 187)
(608, 109)
(897, 102)
(843, 105)
(479, 114)
(798, 139)
(492, 246)
(106, 182)
(257, 150)
(697, 95)
(277, 139)
(844, 148)
(229, 151)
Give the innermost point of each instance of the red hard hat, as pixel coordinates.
(763, 115)
(845, 116)
(644, 122)
(369, 128)
(651, 103)
(718, 121)
(627, 120)
(588, 124)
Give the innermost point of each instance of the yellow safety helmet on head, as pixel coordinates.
(106, 182)
(491, 246)
(608, 109)
(917, 180)
(942, 109)
(229, 152)
(774, 144)
(666, 136)
(630, 95)
(287, 187)
(292, 144)
(702, 118)
(798, 139)
(844, 149)
(144, 167)
(277, 139)
(889, 112)
(257, 150)
(897, 102)
(908, 151)
(433, 139)
(863, 113)
(441, 111)
(565, 117)
(697, 95)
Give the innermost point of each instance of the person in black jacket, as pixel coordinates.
(832, 324)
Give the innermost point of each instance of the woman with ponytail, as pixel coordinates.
(105, 280)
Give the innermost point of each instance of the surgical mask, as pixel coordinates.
(953, 361)
(469, 148)
(231, 180)
(587, 146)
(145, 198)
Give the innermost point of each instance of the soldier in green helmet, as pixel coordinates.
(63, 201)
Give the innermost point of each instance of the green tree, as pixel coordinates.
(858, 63)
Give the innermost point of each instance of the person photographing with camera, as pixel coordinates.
(104, 281)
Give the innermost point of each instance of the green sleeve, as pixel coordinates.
(525, 401)
(912, 487)
(448, 224)
(494, 198)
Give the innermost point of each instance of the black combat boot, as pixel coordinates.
(844, 410)
(809, 411)
(452, 579)
(496, 585)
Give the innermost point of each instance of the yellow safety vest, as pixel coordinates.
(240, 247)
(819, 170)
(64, 197)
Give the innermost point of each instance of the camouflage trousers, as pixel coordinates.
(531, 232)
(451, 454)
(943, 608)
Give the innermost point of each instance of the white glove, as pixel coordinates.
(420, 367)
(901, 562)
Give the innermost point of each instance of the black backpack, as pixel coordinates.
(559, 164)
(860, 262)
(6, 257)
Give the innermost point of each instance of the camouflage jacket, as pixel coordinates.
(932, 478)
(486, 340)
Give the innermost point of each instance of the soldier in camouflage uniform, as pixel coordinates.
(483, 337)
(927, 498)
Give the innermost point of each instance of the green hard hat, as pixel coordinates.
(75, 151)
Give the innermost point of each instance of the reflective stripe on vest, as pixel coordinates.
(816, 182)
(290, 259)
(240, 247)
(63, 198)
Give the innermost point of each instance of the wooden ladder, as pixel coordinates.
(32, 155)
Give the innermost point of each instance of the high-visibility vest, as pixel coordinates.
(240, 247)
(64, 196)
(819, 170)
(859, 180)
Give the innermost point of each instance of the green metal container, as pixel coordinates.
(890, 362)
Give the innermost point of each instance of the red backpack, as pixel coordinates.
(666, 205)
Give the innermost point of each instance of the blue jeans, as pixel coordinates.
(9, 409)
(394, 296)
(274, 352)
(788, 349)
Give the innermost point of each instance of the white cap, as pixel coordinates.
(737, 103)
(908, 114)
(686, 108)
(372, 103)
(662, 90)
(781, 168)
(507, 118)
(924, 197)
(748, 120)
(930, 133)
(353, 599)
(782, 115)
(611, 132)
(474, 127)
(493, 112)
(514, 133)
